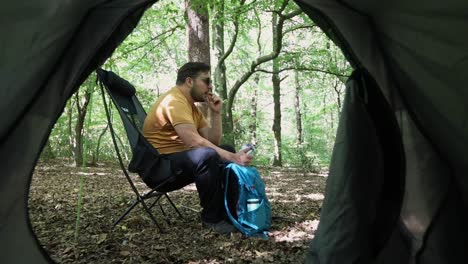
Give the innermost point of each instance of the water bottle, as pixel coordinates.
(248, 146)
(252, 204)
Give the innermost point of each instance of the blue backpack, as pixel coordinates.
(252, 206)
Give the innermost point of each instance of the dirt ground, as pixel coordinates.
(296, 198)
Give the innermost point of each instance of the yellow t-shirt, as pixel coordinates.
(169, 110)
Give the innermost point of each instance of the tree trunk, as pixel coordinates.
(78, 147)
(124, 150)
(297, 108)
(98, 147)
(82, 110)
(198, 30)
(338, 92)
(71, 138)
(219, 75)
(276, 100)
(253, 113)
(198, 35)
(254, 100)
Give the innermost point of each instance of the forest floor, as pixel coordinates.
(295, 196)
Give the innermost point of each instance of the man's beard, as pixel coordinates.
(196, 95)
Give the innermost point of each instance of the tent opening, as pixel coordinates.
(288, 105)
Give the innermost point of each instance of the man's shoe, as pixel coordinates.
(221, 227)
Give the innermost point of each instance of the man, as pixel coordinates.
(178, 130)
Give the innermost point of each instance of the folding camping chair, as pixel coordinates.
(154, 169)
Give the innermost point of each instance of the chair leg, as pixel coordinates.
(155, 201)
(164, 213)
(160, 207)
(175, 207)
(152, 216)
(125, 213)
(145, 207)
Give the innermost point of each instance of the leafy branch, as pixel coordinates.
(167, 33)
(304, 69)
(234, 37)
(254, 64)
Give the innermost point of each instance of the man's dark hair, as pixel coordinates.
(192, 70)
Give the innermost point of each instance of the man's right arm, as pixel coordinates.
(192, 139)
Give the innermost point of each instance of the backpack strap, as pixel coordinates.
(233, 220)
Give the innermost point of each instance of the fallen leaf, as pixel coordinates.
(159, 247)
(101, 238)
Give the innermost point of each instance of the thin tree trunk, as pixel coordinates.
(338, 92)
(71, 138)
(78, 148)
(222, 54)
(297, 108)
(79, 125)
(97, 152)
(219, 74)
(254, 100)
(253, 113)
(277, 158)
(324, 106)
(123, 149)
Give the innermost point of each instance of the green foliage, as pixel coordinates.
(151, 55)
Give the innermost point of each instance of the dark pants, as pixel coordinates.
(206, 168)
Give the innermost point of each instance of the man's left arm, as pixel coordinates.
(213, 132)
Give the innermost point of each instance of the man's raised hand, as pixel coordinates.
(214, 102)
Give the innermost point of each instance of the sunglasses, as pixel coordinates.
(207, 81)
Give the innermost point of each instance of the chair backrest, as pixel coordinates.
(146, 161)
(122, 94)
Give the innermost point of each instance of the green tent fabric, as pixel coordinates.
(416, 51)
(417, 54)
(47, 49)
(366, 178)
